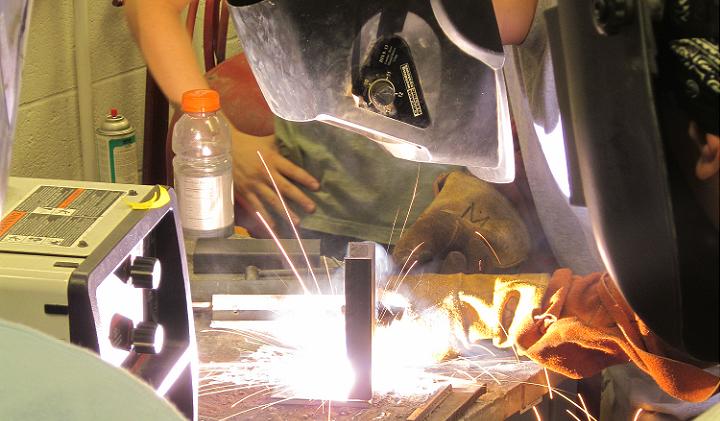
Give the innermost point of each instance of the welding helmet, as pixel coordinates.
(422, 78)
(14, 17)
(627, 94)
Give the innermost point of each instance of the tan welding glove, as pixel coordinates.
(574, 325)
(468, 216)
(487, 306)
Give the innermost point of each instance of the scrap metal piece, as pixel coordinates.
(360, 315)
(452, 405)
(435, 400)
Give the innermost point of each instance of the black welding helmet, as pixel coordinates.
(631, 76)
(423, 77)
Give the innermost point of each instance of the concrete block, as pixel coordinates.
(114, 50)
(47, 141)
(49, 59)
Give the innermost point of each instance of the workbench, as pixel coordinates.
(522, 383)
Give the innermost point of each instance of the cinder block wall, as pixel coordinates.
(47, 139)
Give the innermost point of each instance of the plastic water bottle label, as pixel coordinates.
(206, 203)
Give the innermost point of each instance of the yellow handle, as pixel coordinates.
(160, 198)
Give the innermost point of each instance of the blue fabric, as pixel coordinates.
(43, 378)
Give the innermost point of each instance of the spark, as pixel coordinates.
(483, 369)
(407, 260)
(284, 253)
(582, 401)
(637, 414)
(537, 414)
(486, 349)
(327, 270)
(387, 284)
(287, 213)
(256, 408)
(490, 247)
(405, 276)
(412, 200)
(248, 396)
(547, 377)
(392, 230)
(572, 415)
(556, 391)
(512, 345)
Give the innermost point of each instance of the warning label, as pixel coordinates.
(56, 216)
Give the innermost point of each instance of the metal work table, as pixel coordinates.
(514, 397)
(498, 403)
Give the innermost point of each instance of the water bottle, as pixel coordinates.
(202, 167)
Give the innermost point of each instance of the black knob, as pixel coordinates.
(148, 338)
(381, 93)
(145, 272)
(121, 332)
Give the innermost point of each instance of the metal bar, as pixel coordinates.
(234, 255)
(360, 315)
(435, 400)
(455, 405)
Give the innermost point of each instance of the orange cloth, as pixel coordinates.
(584, 325)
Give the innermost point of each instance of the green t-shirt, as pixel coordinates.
(362, 186)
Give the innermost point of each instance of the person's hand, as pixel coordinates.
(470, 217)
(483, 306)
(253, 186)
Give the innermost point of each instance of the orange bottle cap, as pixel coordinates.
(200, 101)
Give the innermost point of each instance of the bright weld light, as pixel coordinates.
(306, 355)
(404, 350)
(394, 299)
(312, 361)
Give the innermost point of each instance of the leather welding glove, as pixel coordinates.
(584, 325)
(574, 325)
(486, 306)
(469, 216)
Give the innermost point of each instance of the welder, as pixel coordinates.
(475, 227)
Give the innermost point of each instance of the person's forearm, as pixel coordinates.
(166, 45)
(514, 18)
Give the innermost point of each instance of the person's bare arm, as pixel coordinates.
(167, 48)
(514, 18)
(166, 45)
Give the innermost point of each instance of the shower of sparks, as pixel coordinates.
(585, 409)
(284, 253)
(287, 213)
(537, 414)
(408, 259)
(385, 290)
(301, 353)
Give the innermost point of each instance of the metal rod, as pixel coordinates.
(360, 315)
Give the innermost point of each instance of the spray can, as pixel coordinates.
(116, 150)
